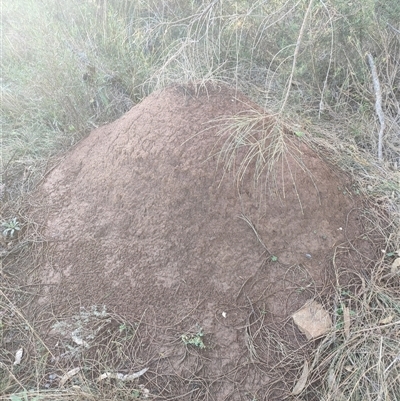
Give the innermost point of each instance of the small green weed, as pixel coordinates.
(194, 339)
(340, 316)
(11, 227)
(127, 330)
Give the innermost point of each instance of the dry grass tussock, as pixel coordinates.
(70, 66)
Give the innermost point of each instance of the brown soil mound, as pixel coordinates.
(141, 218)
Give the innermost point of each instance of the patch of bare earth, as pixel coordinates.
(140, 217)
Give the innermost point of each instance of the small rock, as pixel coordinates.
(312, 320)
(395, 266)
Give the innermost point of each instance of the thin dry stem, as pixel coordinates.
(378, 105)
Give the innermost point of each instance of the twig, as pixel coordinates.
(295, 54)
(378, 104)
(248, 221)
(321, 102)
(396, 30)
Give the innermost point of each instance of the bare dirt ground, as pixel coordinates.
(141, 217)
